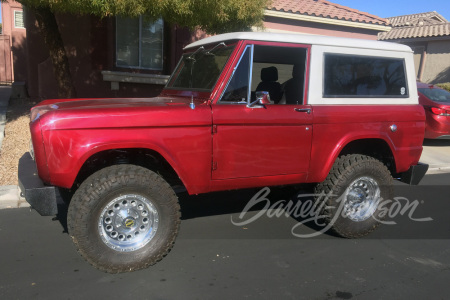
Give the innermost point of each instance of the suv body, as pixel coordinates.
(240, 110)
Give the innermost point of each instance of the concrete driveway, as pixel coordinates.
(436, 153)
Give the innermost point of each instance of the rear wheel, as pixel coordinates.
(354, 192)
(124, 218)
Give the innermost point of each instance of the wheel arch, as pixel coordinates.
(374, 146)
(144, 157)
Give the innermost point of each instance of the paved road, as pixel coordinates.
(213, 259)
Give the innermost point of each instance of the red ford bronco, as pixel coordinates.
(241, 110)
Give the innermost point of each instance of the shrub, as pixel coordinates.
(445, 86)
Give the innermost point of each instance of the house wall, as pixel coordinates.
(437, 65)
(275, 24)
(90, 46)
(431, 59)
(5, 59)
(17, 40)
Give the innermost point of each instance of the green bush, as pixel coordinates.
(445, 86)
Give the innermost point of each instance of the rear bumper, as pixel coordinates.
(41, 197)
(415, 174)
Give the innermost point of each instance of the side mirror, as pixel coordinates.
(262, 98)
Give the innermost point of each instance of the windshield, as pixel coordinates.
(201, 69)
(437, 95)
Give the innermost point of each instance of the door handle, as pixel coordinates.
(306, 110)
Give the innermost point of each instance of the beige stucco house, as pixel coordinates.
(428, 34)
(322, 17)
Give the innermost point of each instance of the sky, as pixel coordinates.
(393, 8)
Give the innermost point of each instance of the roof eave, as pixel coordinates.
(299, 17)
(416, 39)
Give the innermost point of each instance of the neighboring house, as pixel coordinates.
(108, 57)
(122, 57)
(322, 17)
(428, 34)
(13, 43)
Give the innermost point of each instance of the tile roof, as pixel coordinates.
(410, 32)
(325, 9)
(412, 20)
(424, 25)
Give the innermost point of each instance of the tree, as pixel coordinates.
(1, 28)
(211, 16)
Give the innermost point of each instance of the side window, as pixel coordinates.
(281, 72)
(364, 77)
(237, 89)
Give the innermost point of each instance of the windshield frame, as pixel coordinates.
(193, 52)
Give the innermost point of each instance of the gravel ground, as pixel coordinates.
(16, 141)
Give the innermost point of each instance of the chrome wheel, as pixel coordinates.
(361, 199)
(128, 223)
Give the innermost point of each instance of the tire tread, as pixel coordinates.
(91, 191)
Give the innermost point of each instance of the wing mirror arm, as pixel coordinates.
(262, 98)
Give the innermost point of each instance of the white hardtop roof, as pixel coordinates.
(301, 39)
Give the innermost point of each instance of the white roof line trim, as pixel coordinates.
(302, 39)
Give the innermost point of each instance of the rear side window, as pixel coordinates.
(364, 77)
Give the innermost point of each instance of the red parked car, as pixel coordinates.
(436, 102)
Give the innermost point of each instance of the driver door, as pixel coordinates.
(258, 140)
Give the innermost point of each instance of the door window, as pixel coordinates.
(280, 71)
(237, 90)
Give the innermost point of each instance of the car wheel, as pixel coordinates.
(123, 218)
(354, 193)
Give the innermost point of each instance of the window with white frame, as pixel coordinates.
(364, 77)
(18, 19)
(139, 43)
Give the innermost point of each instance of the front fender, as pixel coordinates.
(187, 150)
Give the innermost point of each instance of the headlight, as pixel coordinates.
(37, 112)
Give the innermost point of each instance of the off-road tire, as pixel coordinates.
(346, 170)
(88, 205)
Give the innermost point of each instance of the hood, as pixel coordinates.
(114, 102)
(120, 112)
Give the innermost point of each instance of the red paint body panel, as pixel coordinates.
(39, 151)
(180, 134)
(251, 147)
(336, 126)
(275, 140)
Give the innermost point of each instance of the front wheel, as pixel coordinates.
(354, 192)
(124, 218)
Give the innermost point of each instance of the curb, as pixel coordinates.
(438, 170)
(10, 197)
